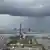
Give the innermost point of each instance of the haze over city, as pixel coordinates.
(35, 23)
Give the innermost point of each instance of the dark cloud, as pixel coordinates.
(30, 12)
(25, 8)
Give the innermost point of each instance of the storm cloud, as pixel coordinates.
(25, 7)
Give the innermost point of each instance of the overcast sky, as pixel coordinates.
(11, 21)
(31, 13)
(36, 23)
(25, 7)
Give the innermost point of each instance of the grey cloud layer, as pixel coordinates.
(25, 7)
